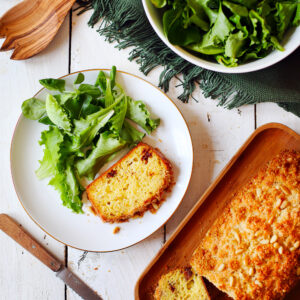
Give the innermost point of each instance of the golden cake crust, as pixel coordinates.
(139, 158)
(252, 250)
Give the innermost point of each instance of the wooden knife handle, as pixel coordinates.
(16, 232)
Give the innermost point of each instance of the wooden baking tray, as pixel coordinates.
(266, 141)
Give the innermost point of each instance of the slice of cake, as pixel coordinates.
(181, 284)
(132, 186)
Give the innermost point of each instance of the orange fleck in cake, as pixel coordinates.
(181, 284)
(252, 250)
(133, 185)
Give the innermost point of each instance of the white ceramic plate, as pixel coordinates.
(290, 42)
(87, 231)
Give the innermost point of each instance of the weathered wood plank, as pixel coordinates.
(217, 134)
(113, 274)
(271, 112)
(21, 275)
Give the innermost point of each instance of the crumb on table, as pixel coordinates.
(116, 230)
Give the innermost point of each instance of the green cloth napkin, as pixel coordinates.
(125, 22)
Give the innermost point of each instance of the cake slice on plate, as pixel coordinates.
(132, 186)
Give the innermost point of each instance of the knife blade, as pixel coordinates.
(16, 232)
(77, 285)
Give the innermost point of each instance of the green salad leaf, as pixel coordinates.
(89, 89)
(101, 81)
(79, 79)
(235, 44)
(138, 113)
(284, 16)
(88, 107)
(68, 186)
(86, 129)
(130, 134)
(52, 139)
(107, 144)
(296, 21)
(88, 126)
(33, 108)
(109, 97)
(117, 120)
(202, 9)
(57, 114)
(231, 32)
(175, 30)
(159, 3)
(236, 9)
(221, 28)
(53, 84)
(213, 41)
(73, 105)
(247, 3)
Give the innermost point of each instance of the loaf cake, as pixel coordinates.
(181, 284)
(252, 249)
(133, 185)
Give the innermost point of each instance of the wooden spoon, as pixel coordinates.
(31, 25)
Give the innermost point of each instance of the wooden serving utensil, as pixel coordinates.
(31, 25)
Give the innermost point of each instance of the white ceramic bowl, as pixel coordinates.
(291, 42)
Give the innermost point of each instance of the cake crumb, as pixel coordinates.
(208, 117)
(92, 210)
(116, 230)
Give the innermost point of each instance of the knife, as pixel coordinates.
(16, 232)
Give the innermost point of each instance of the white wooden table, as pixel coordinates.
(216, 133)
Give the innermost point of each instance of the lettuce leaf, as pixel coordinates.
(130, 134)
(33, 108)
(89, 89)
(57, 114)
(235, 44)
(86, 129)
(248, 3)
(79, 79)
(236, 9)
(101, 81)
(176, 31)
(296, 21)
(118, 119)
(52, 139)
(107, 144)
(68, 186)
(138, 113)
(202, 10)
(283, 16)
(53, 84)
(159, 3)
(108, 95)
(213, 41)
(227, 61)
